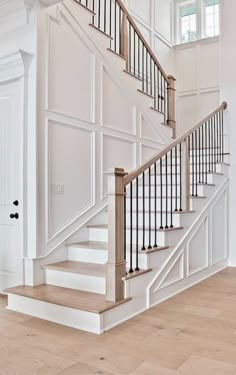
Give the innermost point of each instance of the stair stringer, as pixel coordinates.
(163, 286)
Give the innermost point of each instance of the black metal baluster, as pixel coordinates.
(193, 166)
(149, 207)
(217, 137)
(105, 16)
(137, 223)
(120, 30)
(214, 142)
(158, 89)
(195, 146)
(180, 176)
(206, 143)
(161, 194)
(208, 150)
(93, 19)
(131, 228)
(166, 192)
(202, 159)
(171, 189)
(199, 156)
(115, 20)
(161, 94)
(134, 48)
(143, 67)
(155, 88)
(110, 25)
(143, 248)
(155, 204)
(129, 62)
(138, 57)
(147, 72)
(176, 180)
(99, 14)
(151, 88)
(220, 136)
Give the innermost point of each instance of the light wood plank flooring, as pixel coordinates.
(194, 333)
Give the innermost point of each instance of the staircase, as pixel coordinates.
(156, 236)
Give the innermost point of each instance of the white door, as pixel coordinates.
(10, 186)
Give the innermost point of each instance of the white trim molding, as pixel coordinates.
(14, 14)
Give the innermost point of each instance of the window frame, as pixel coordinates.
(203, 13)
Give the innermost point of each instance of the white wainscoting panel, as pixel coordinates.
(117, 110)
(197, 84)
(197, 249)
(70, 71)
(70, 185)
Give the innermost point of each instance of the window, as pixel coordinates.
(188, 23)
(196, 19)
(211, 18)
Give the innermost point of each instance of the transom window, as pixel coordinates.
(196, 19)
(211, 18)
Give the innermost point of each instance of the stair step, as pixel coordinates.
(75, 299)
(117, 54)
(91, 245)
(91, 269)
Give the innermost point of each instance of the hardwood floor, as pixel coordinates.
(193, 333)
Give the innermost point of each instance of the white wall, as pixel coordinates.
(228, 93)
(198, 87)
(154, 19)
(88, 122)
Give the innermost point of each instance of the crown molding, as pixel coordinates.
(14, 65)
(14, 14)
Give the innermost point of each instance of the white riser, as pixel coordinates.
(96, 234)
(178, 219)
(77, 281)
(163, 238)
(158, 204)
(202, 189)
(67, 316)
(87, 255)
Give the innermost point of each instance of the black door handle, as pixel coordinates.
(16, 203)
(14, 216)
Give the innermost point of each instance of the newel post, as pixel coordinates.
(116, 265)
(124, 37)
(171, 120)
(185, 174)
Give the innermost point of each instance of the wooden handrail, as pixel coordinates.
(138, 171)
(131, 21)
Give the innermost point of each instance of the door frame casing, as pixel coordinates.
(15, 68)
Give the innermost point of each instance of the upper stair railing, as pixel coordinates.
(112, 18)
(141, 204)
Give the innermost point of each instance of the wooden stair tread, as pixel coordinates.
(105, 226)
(84, 268)
(75, 299)
(92, 245)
